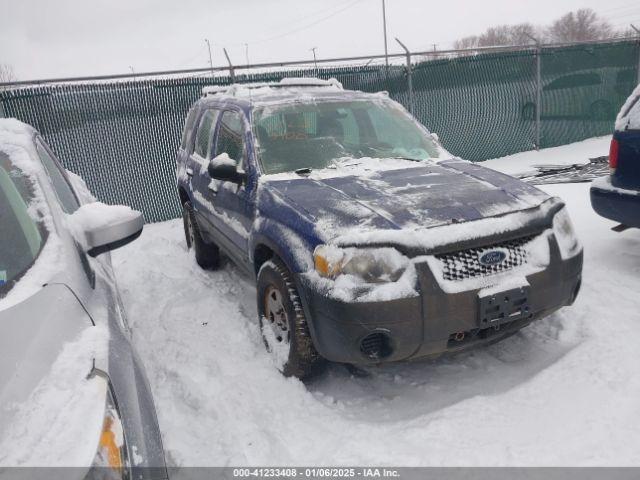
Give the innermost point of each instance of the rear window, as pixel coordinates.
(629, 117)
(21, 237)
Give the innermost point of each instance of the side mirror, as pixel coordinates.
(101, 228)
(225, 168)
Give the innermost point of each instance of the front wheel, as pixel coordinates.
(283, 325)
(207, 255)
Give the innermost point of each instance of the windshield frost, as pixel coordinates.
(317, 136)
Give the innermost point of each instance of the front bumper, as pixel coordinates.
(619, 205)
(427, 324)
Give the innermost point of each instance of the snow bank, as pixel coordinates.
(577, 153)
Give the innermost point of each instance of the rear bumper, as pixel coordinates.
(425, 325)
(622, 206)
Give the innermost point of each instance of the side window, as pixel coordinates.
(205, 132)
(231, 136)
(61, 185)
(188, 126)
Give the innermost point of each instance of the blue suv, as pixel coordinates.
(617, 196)
(368, 241)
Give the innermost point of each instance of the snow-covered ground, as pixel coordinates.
(564, 391)
(575, 154)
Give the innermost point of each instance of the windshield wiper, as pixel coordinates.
(303, 171)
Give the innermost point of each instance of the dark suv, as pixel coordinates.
(369, 242)
(617, 196)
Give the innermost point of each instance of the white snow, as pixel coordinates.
(79, 185)
(60, 423)
(564, 391)
(604, 183)
(629, 115)
(95, 216)
(15, 141)
(577, 153)
(365, 166)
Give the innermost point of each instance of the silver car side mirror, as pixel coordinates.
(101, 228)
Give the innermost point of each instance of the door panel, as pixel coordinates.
(233, 205)
(197, 163)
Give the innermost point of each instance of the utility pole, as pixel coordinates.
(384, 29)
(315, 60)
(210, 58)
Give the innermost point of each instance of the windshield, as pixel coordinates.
(316, 136)
(21, 237)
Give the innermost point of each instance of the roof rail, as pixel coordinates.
(230, 90)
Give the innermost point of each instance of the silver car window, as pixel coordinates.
(21, 237)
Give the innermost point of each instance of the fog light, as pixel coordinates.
(376, 346)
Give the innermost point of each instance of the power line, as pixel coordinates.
(619, 7)
(307, 26)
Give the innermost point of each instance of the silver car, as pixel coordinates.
(73, 392)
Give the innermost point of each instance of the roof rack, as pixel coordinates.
(231, 90)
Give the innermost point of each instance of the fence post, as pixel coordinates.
(538, 88)
(638, 66)
(232, 72)
(409, 74)
(538, 92)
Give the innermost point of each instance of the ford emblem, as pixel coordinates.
(492, 257)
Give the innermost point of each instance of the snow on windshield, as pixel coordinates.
(39, 248)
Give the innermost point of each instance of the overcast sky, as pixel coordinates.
(42, 39)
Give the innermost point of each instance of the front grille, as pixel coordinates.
(466, 263)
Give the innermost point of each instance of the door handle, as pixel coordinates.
(190, 171)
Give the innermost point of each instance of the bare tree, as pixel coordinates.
(6, 74)
(499, 36)
(581, 25)
(466, 43)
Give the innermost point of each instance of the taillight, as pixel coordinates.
(613, 155)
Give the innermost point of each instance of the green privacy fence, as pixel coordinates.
(121, 137)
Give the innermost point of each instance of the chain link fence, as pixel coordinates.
(122, 136)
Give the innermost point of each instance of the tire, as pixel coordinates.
(294, 351)
(207, 254)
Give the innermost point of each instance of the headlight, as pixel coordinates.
(565, 234)
(111, 461)
(372, 265)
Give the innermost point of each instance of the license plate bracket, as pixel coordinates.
(496, 308)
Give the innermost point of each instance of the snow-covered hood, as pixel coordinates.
(50, 410)
(413, 197)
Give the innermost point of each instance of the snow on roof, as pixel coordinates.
(16, 142)
(286, 86)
